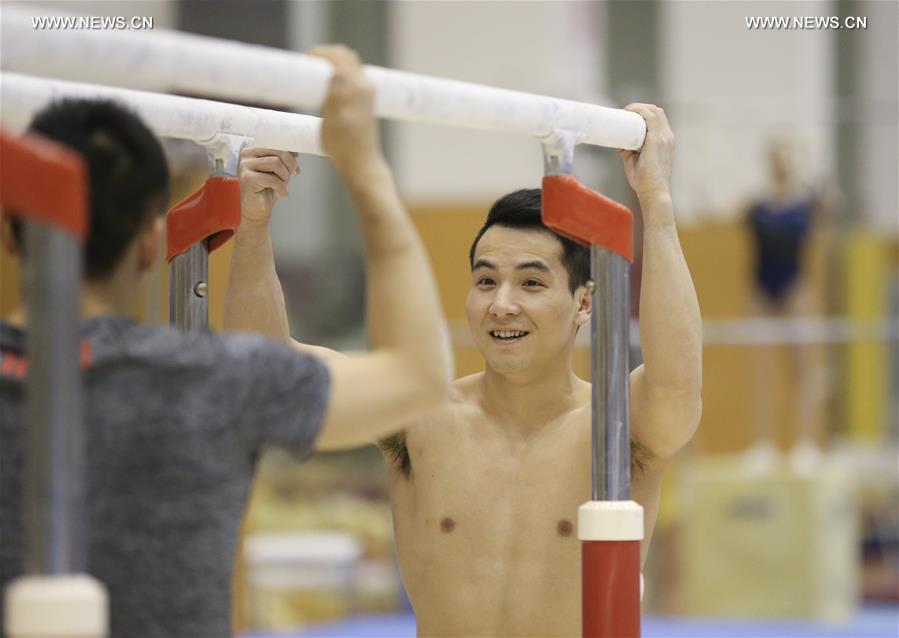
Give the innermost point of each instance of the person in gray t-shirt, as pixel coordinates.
(175, 421)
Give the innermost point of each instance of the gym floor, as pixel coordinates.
(871, 622)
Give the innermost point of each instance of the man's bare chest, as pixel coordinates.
(489, 513)
(474, 485)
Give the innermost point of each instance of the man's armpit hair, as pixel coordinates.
(394, 446)
(640, 456)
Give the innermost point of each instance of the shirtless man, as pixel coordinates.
(486, 489)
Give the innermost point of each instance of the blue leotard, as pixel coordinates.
(780, 231)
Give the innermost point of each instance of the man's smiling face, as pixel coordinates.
(521, 311)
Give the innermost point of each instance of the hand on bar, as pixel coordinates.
(649, 169)
(264, 175)
(349, 130)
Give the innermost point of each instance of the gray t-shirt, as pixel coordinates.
(174, 423)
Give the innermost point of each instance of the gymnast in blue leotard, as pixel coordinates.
(780, 231)
(780, 227)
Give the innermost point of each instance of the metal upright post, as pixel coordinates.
(54, 460)
(611, 525)
(188, 288)
(609, 340)
(45, 184)
(189, 278)
(197, 226)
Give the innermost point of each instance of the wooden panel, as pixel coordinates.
(10, 296)
(447, 233)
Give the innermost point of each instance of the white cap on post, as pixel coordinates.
(68, 606)
(610, 521)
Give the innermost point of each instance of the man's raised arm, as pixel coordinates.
(408, 369)
(254, 300)
(666, 389)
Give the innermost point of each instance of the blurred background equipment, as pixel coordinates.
(296, 578)
(319, 541)
(771, 544)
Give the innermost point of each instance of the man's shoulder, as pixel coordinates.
(443, 425)
(465, 391)
(158, 342)
(162, 346)
(439, 423)
(463, 402)
(459, 405)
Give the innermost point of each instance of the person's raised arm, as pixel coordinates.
(408, 368)
(666, 389)
(254, 300)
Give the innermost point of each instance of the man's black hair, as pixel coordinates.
(128, 174)
(521, 209)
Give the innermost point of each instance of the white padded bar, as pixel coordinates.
(164, 60)
(21, 96)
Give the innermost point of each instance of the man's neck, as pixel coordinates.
(110, 297)
(98, 299)
(523, 404)
(783, 190)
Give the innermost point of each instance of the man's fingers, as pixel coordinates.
(290, 161)
(270, 164)
(663, 118)
(644, 110)
(256, 151)
(281, 164)
(340, 56)
(656, 119)
(347, 65)
(268, 180)
(249, 155)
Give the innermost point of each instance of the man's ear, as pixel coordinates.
(7, 237)
(150, 243)
(584, 305)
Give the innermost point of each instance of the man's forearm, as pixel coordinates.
(403, 308)
(670, 323)
(254, 300)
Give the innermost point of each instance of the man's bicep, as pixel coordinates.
(663, 422)
(372, 396)
(325, 354)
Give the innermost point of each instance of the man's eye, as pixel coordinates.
(485, 281)
(533, 283)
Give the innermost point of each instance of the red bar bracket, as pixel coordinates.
(43, 180)
(211, 213)
(587, 217)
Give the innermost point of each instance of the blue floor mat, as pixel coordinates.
(872, 622)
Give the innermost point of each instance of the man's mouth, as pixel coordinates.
(508, 336)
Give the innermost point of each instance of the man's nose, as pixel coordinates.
(504, 302)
